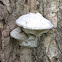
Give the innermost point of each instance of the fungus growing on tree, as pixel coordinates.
(33, 26)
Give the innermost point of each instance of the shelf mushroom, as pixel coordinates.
(33, 26)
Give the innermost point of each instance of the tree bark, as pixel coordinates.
(50, 45)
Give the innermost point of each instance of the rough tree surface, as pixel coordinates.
(49, 46)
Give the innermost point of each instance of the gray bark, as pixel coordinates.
(49, 46)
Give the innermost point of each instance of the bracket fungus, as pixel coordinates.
(33, 26)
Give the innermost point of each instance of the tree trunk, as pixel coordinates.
(50, 45)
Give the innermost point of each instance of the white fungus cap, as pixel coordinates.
(34, 21)
(17, 34)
